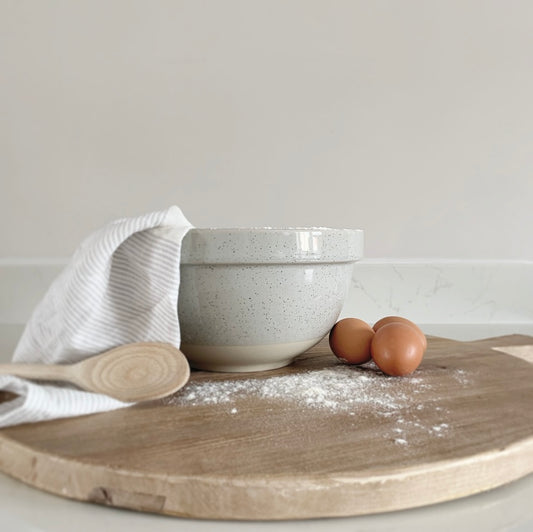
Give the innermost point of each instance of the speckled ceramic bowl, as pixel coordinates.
(254, 299)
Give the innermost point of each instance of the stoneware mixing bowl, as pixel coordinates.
(254, 299)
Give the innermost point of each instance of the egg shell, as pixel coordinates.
(350, 340)
(399, 319)
(397, 349)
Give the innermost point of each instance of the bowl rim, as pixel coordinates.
(240, 245)
(273, 229)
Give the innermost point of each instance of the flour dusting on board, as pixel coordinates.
(336, 389)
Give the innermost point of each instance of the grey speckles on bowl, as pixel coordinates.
(253, 299)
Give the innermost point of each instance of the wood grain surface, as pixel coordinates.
(461, 424)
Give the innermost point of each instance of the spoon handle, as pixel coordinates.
(46, 372)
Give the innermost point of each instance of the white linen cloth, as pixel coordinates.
(121, 286)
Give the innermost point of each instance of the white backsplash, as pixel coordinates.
(442, 291)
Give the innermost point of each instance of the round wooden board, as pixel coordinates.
(463, 423)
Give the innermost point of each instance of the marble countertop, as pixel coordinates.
(23, 508)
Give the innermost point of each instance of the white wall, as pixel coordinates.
(410, 119)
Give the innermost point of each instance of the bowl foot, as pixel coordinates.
(245, 358)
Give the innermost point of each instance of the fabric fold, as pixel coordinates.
(121, 286)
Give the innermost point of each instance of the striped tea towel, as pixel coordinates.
(121, 286)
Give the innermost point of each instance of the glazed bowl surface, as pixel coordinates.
(252, 299)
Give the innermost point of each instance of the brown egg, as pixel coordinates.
(350, 340)
(397, 349)
(393, 319)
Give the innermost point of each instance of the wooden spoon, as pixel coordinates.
(129, 373)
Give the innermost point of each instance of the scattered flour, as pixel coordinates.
(337, 389)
